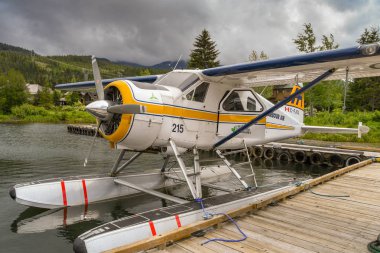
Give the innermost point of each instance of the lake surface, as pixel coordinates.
(38, 151)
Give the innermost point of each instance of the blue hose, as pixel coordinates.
(208, 215)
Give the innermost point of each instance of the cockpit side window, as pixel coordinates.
(242, 101)
(188, 82)
(189, 95)
(199, 94)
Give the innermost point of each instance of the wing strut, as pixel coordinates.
(275, 107)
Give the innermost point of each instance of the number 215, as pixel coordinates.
(177, 128)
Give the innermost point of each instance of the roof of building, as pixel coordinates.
(33, 88)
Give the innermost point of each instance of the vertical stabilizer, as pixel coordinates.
(296, 106)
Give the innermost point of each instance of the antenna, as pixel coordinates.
(177, 62)
(172, 70)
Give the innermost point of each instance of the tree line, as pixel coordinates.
(362, 92)
(19, 66)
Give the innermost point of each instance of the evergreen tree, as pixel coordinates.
(255, 57)
(370, 35)
(57, 94)
(328, 43)
(205, 54)
(305, 41)
(73, 98)
(12, 90)
(265, 91)
(325, 96)
(364, 92)
(144, 72)
(44, 97)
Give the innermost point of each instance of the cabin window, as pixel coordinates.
(199, 93)
(242, 101)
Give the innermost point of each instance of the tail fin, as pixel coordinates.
(296, 106)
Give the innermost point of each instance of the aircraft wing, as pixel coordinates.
(89, 85)
(361, 61)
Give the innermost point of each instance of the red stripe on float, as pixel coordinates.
(65, 216)
(64, 193)
(178, 221)
(85, 192)
(152, 228)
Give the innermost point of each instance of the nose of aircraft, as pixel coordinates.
(99, 109)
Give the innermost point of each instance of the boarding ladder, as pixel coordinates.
(222, 155)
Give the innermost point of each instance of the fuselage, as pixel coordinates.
(196, 113)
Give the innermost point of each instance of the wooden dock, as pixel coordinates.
(82, 129)
(340, 214)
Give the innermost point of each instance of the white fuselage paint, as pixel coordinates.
(197, 124)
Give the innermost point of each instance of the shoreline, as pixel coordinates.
(298, 140)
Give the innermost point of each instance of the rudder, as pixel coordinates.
(296, 106)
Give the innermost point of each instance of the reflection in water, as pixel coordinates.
(36, 151)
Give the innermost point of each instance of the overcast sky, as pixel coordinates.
(151, 31)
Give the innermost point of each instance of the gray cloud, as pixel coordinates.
(149, 31)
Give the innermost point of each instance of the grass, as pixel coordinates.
(27, 113)
(349, 119)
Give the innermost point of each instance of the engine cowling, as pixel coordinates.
(132, 131)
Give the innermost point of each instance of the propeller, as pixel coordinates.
(126, 109)
(108, 108)
(92, 145)
(97, 78)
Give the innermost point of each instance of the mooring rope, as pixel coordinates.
(209, 215)
(328, 195)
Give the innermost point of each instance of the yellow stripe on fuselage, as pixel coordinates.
(231, 118)
(276, 126)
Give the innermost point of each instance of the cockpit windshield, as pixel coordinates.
(180, 80)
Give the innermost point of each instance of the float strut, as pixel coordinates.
(116, 170)
(183, 169)
(166, 161)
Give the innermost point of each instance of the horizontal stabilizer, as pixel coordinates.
(336, 130)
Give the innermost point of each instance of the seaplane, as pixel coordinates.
(186, 111)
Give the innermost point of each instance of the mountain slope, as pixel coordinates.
(51, 70)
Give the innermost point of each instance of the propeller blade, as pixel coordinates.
(97, 79)
(92, 145)
(126, 109)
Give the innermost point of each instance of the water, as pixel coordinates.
(38, 151)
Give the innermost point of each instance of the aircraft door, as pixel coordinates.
(236, 108)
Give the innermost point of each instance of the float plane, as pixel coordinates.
(191, 110)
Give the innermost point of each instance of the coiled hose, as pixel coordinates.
(374, 246)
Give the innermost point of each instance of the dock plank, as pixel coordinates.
(265, 242)
(300, 232)
(268, 230)
(305, 222)
(327, 230)
(352, 225)
(229, 231)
